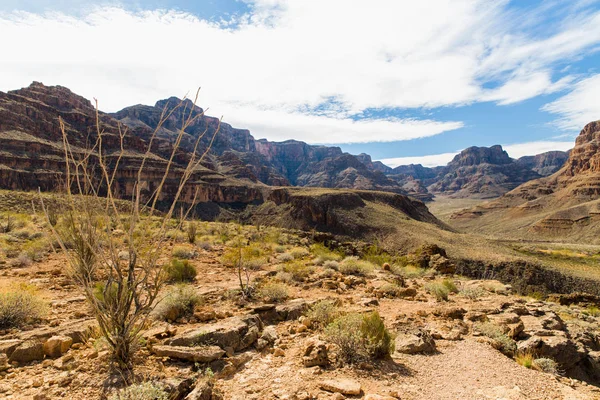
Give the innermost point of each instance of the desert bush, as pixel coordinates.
(8, 224)
(20, 305)
(273, 292)
(297, 269)
(179, 302)
(438, 290)
(391, 290)
(334, 265)
(354, 266)
(180, 271)
(23, 233)
(323, 313)
(324, 254)
(141, 391)
(183, 252)
(191, 231)
(52, 216)
(299, 252)
(374, 254)
(505, 344)
(205, 245)
(285, 257)
(546, 365)
(279, 249)
(360, 337)
(284, 277)
(451, 286)
(21, 261)
(593, 311)
(409, 271)
(472, 293)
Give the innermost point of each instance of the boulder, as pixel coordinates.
(56, 346)
(3, 362)
(441, 264)
(421, 342)
(28, 351)
(235, 332)
(316, 354)
(268, 338)
(204, 390)
(343, 386)
(559, 348)
(201, 354)
(450, 312)
(8, 346)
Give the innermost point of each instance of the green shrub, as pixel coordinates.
(593, 311)
(354, 266)
(191, 231)
(297, 269)
(374, 254)
(323, 313)
(360, 337)
(141, 391)
(273, 292)
(323, 254)
(299, 252)
(525, 359)
(181, 271)
(505, 344)
(279, 249)
(448, 284)
(409, 271)
(438, 290)
(179, 302)
(183, 252)
(19, 306)
(285, 257)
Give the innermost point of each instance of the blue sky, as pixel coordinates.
(402, 81)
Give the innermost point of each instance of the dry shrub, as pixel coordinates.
(354, 266)
(183, 252)
(179, 302)
(181, 271)
(323, 313)
(360, 337)
(505, 344)
(298, 270)
(20, 305)
(273, 292)
(141, 391)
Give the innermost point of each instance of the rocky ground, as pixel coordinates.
(462, 348)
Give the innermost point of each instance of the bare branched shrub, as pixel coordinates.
(122, 289)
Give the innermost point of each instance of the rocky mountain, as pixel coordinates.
(483, 172)
(563, 205)
(238, 170)
(545, 164)
(235, 152)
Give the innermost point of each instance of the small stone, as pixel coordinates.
(278, 352)
(56, 346)
(343, 386)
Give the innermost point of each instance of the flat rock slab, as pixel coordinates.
(202, 354)
(343, 386)
(235, 332)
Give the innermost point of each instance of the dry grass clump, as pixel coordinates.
(141, 391)
(273, 292)
(285, 257)
(191, 231)
(472, 293)
(441, 289)
(179, 302)
(503, 343)
(19, 306)
(324, 255)
(409, 271)
(184, 253)
(525, 359)
(332, 265)
(360, 337)
(323, 313)
(391, 290)
(21, 261)
(181, 271)
(354, 266)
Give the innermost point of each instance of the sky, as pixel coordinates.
(404, 81)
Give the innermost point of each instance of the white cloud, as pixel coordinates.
(289, 57)
(432, 160)
(578, 107)
(514, 150)
(532, 148)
